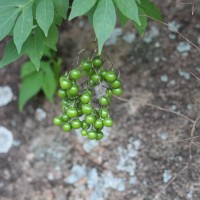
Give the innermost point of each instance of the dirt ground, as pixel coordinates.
(147, 155)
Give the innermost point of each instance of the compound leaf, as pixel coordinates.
(61, 7)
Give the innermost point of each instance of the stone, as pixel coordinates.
(6, 95)
(114, 37)
(151, 34)
(164, 78)
(40, 114)
(129, 37)
(167, 176)
(183, 47)
(173, 26)
(6, 140)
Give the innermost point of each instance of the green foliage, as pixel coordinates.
(33, 81)
(33, 23)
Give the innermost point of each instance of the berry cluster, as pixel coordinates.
(81, 107)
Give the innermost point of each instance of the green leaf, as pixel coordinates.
(57, 68)
(23, 27)
(80, 7)
(61, 7)
(10, 54)
(90, 15)
(123, 19)
(7, 20)
(49, 82)
(27, 69)
(45, 15)
(52, 38)
(129, 9)
(104, 21)
(150, 9)
(143, 19)
(30, 86)
(13, 3)
(34, 48)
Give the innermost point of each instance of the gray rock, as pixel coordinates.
(183, 47)
(184, 74)
(126, 162)
(114, 37)
(129, 37)
(40, 114)
(6, 95)
(164, 78)
(92, 178)
(6, 140)
(172, 36)
(167, 176)
(78, 172)
(151, 34)
(173, 26)
(164, 135)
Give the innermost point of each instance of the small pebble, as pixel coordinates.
(164, 78)
(167, 176)
(129, 37)
(183, 47)
(40, 114)
(6, 140)
(6, 95)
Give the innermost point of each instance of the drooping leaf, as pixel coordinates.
(7, 20)
(34, 47)
(10, 54)
(104, 21)
(129, 9)
(90, 15)
(23, 27)
(30, 86)
(123, 19)
(52, 38)
(45, 15)
(61, 7)
(49, 81)
(80, 7)
(27, 69)
(143, 19)
(150, 9)
(57, 68)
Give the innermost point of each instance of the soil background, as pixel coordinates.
(140, 158)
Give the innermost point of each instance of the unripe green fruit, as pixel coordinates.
(57, 121)
(90, 119)
(92, 135)
(87, 109)
(99, 136)
(67, 127)
(116, 84)
(84, 132)
(62, 93)
(65, 84)
(86, 65)
(108, 122)
(110, 76)
(117, 91)
(76, 123)
(75, 74)
(97, 62)
(98, 124)
(104, 101)
(72, 112)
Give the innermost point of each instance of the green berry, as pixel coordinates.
(87, 109)
(73, 91)
(116, 84)
(86, 65)
(110, 76)
(117, 91)
(90, 119)
(76, 123)
(92, 135)
(72, 112)
(104, 101)
(85, 98)
(84, 132)
(57, 121)
(67, 127)
(99, 136)
(98, 124)
(62, 93)
(64, 117)
(108, 122)
(75, 74)
(65, 84)
(97, 62)
(104, 113)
